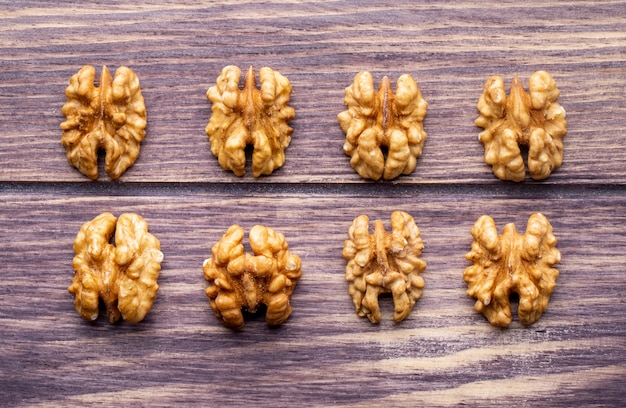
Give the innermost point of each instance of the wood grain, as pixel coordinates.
(178, 50)
(444, 353)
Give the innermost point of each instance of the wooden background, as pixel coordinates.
(444, 353)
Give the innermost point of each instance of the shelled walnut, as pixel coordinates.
(111, 116)
(512, 263)
(241, 280)
(384, 262)
(250, 117)
(123, 276)
(383, 119)
(534, 120)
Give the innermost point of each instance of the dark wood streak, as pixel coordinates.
(444, 353)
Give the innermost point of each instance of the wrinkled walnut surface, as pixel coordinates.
(250, 117)
(532, 119)
(123, 276)
(111, 116)
(241, 280)
(512, 263)
(374, 119)
(384, 262)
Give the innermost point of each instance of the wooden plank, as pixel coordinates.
(178, 51)
(443, 353)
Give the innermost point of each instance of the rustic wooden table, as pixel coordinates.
(444, 353)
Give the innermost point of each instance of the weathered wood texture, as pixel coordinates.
(178, 50)
(444, 353)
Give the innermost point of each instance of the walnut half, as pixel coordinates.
(250, 117)
(384, 262)
(111, 116)
(241, 280)
(123, 276)
(512, 263)
(383, 119)
(532, 119)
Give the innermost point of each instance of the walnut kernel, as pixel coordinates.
(384, 262)
(512, 263)
(123, 276)
(111, 116)
(532, 119)
(375, 119)
(241, 280)
(250, 117)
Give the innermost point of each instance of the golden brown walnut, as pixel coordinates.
(512, 263)
(250, 117)
(384, 262)
(123, 276)
(241, 280)
(531, 119)
(111, 116)
(375, 119)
